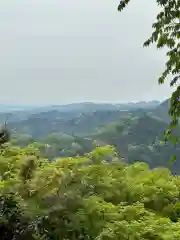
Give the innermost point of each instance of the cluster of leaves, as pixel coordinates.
(96, 196)
(166, 34)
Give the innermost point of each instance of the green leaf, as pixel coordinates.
(173, 159)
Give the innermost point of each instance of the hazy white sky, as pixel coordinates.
(57, 51)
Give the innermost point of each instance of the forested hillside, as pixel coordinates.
(136, 133)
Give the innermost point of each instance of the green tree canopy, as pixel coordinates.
(86, 198)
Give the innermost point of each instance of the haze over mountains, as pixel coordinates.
(71, 118)
(135, 129)
(74, 106)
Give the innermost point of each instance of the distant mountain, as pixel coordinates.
(142, 104)
(92, 106)
(132, 130)
(15, 113)
(161, 111)
(84, 107)
(135, 130)
(41, 124)
(78, 107)
(77, 118)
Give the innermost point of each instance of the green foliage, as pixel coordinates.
(166, 34)
(85, 197)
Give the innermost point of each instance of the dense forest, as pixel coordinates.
(96, 196)
(61, 131)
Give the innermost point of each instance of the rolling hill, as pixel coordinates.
(78, 128)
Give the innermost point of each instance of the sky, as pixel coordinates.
(57, 51)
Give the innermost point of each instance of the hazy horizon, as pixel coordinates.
(56, 52)
(70, 103)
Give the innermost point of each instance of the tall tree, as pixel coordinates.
(166, 34)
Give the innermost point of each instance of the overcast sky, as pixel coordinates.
(58, 51)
